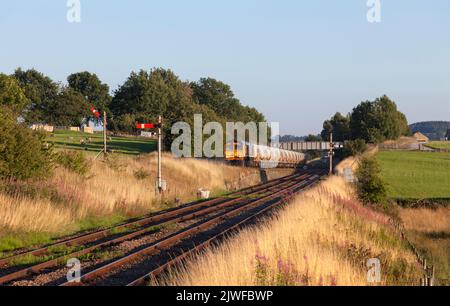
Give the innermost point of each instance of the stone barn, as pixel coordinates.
(421, 138)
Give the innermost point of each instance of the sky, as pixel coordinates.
(296, 61)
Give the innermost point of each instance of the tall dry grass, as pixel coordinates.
(324, 238)
(121, 186)
(37, 216)
(426, 220)
(429, 230)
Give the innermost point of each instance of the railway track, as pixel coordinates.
(208, 214)
(83, 238)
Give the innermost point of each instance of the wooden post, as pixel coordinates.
(431, 275)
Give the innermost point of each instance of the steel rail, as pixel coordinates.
(84, 238)
(171, 240)
(151, 276)
(34, 269)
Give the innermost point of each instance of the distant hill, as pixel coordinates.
(435, 130)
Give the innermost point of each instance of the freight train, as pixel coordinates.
(252, 155)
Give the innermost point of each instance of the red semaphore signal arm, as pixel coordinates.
(145, 126)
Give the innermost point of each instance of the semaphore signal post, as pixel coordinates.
(161, 185)
(105, 148)
(331, 153)
(97, 115)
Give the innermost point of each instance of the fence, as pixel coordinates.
(438, 149)
(429, 271)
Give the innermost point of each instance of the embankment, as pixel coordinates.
(325, 237)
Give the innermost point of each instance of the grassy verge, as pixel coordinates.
(436, 248)
(440, 145)
(35, 212)
(326, 237)
(16, 240)
(429, 230)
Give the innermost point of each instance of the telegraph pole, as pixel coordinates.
(331, 153)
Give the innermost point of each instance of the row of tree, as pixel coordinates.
(292, 138)
(28, 97)
(143, 97)
(39, 99)
(371, 121)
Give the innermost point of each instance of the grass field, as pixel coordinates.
(416, 175)
(422, 175)
(94, 143)
(440, 145)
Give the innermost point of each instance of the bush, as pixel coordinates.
(73, 161)
(141, 174)
(22, 151)
(370, 186)
(11, 95)
(355, 147)
(124, 123)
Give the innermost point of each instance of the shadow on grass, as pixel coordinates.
(128, 148)
(438, 235)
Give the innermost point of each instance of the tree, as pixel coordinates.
(364, 123)
(393, 123)
(143, 94)
(403, 123)
(378, 121)
(146, 95)
(370, 186)
(123, 123)
(217, 95)
(253, 115)
(220, 98)
(22, 153)
(313, 138)
(89, 85)
(41, 91)
(339, 125)
(354, 147)
(69, 108)
(12, 95)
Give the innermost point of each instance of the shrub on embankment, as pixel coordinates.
(369, 185)
(325, 237)
(74, 161)
(22, 154)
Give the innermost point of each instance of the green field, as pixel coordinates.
(416, 175)
(94, 143)
(440, 145)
